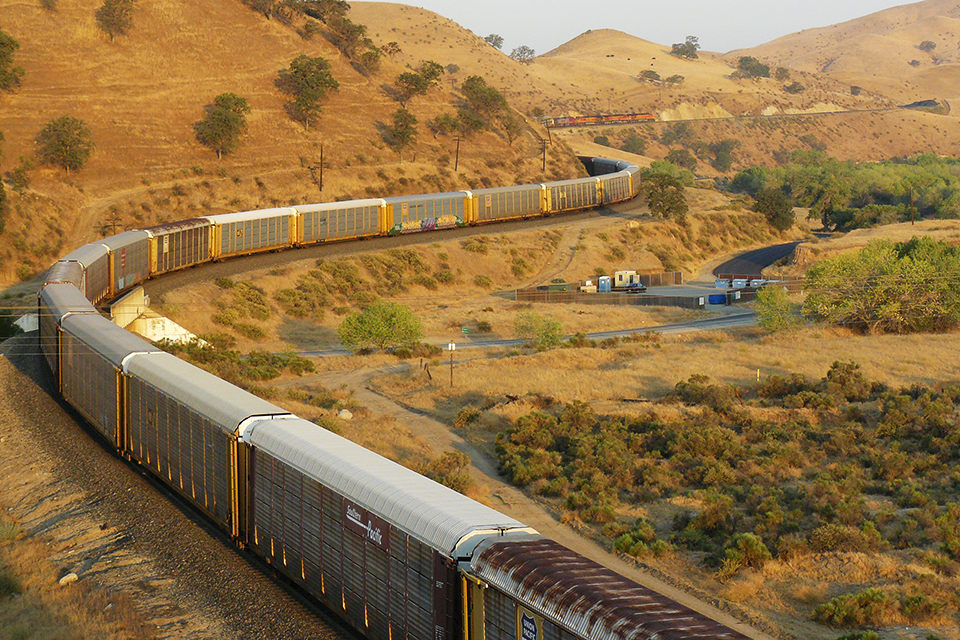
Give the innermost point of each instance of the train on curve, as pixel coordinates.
(397, 555)
(588, 121)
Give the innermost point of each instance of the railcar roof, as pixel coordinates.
(243, 216)
(180, 225)
(428, 510)
(63, 298)
(424, 197)
(106, 338)
(217, 400)
(334, 206)
(86, 255)
(519, 187)
(125, 239)
(586, 598)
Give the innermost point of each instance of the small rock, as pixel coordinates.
(343, 414)
(70, 578)
(108, 607)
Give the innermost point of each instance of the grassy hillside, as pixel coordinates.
(141, 95)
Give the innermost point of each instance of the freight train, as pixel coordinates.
(586, 121)
(396, 555)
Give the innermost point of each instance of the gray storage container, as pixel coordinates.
(573, 194)
(129, 259)
(179, 244)
(93, 350)
(183, 424)
(411, 214)
(339, 220)
(508, 202)
(94, 259)
(252, 231)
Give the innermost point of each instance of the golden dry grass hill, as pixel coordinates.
(141, 95)
(598, 72)
(880, 52)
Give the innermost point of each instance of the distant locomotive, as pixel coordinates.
(397, 555)
(585, 121)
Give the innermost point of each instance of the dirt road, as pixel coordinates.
(512, 501)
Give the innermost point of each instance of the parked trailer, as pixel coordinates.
(339, 220)
(178, 245)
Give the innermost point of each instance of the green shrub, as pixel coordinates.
(465, 416)
(483, 281)
(475, 245)
(869, 607)
(248, 330)
(9, 584)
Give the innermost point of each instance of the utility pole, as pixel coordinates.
(315, 168)
(452, 346)
(456, 163)
(543, 149)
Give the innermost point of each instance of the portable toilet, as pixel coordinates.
(603, 284)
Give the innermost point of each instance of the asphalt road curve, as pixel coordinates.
(727, 321)
(752, 263)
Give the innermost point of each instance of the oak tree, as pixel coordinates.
(307, 80)
(115, 17)
(11, 77)
(381, 325)
(224, 123)
(65, 142)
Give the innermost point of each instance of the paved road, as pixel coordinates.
(753, 262)
(724, 321)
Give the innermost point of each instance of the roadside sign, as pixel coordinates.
(452, 346)
(465, 330)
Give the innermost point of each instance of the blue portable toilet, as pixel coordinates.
(603, 284)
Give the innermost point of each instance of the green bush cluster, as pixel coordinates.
(847, 195)
(243, 370)
(450, 470)
(888, 287)
(768, 480)
(875, 607)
